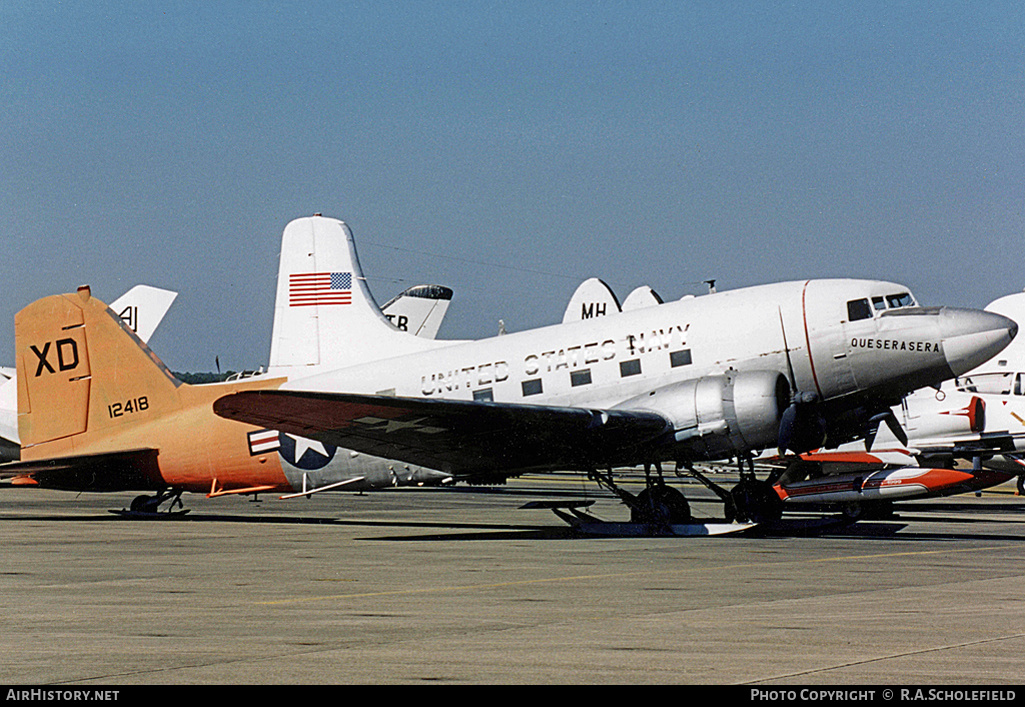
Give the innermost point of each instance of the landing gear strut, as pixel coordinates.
(657, 504)
(750, 501)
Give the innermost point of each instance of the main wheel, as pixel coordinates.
(756, 501)
(660, 504)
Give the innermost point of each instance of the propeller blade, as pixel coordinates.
(787, 423)
(801, 428)
(786, 350)
(891, 421)
(870, 437)
(895, 428)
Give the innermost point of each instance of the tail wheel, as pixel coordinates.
(144, 504)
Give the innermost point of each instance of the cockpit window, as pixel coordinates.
(991, 383)
(902, 299)
(878, 304)
(858, 309)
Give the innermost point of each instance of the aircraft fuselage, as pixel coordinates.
(805, 333)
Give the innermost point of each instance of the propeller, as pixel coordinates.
(801, 426)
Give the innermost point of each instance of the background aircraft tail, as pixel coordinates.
(324, 315)
(419, 310)
(143, 308)
(83, 376)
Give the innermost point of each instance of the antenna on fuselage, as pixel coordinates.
(711, 286)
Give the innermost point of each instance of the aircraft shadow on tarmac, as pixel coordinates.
(910, 529)
(913, 521)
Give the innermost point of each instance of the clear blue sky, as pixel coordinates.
(505, 149)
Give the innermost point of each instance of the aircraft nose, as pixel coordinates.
(972, 337)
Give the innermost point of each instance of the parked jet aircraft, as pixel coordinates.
(788, 365)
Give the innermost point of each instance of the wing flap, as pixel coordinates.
(459, 437)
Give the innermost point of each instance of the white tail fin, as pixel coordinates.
(143, 308)
(593, 298)
(419, 310)
(643, 296)
(325, 316)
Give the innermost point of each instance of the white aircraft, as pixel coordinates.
(945, 456)
(725, 375)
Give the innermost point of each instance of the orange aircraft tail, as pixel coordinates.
(82, 376)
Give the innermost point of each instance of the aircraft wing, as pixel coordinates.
(105, 471)
(459, 437)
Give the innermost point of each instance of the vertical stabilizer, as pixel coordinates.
(642, 296)
(83, 375)
(419, 310)
(143, 308)
(592, 298)
(324, 314)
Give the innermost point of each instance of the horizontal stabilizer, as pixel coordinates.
(456, 436)
(134, 469)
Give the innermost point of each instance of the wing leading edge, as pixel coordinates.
(459, 437)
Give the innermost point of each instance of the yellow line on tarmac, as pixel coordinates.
(613, 575)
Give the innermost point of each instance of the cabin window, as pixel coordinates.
(1019, 384)
(858, 309)
(630, 368)
(580, 377)
(991, 383)
(531, 387)
(484, 395)
(680, 358)
(902, 299)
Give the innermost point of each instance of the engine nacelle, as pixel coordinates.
(721, 416)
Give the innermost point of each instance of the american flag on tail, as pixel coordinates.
(319, 288)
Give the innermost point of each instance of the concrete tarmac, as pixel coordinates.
(453, 586)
